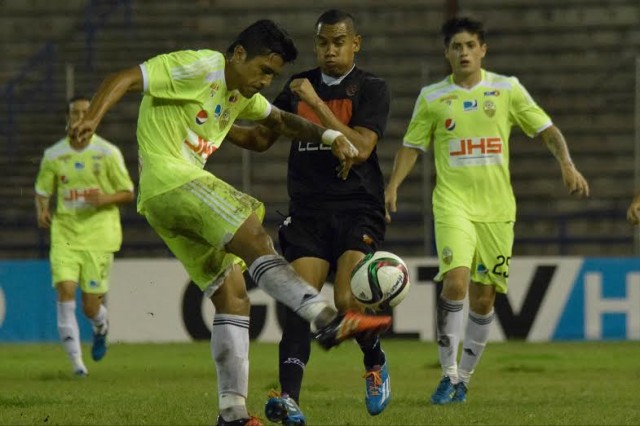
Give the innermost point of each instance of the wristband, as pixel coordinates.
(329, 136)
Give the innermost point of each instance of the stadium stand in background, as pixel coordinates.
(577, 57)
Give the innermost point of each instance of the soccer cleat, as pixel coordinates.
(377, 389)
(444, 392)
(99, 348)
(283, 409)
(80, 373)
(347, 325)
(461, 392)
(251, 421)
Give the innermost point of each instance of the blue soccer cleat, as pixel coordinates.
(283, 409)
(377, 389)
(444, 392)
(461, 392)
(99, 348)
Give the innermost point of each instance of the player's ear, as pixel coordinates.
(357, 43)
(239, 54)
(483, 47)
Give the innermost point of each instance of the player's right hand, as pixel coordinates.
(346, 153)
(633, 213)
(84, 129)
(44, 219)
(390, 203)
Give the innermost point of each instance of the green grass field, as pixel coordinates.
(517, 383)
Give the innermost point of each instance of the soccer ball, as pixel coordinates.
(379, 280)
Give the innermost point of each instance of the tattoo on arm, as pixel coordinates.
(293, 126)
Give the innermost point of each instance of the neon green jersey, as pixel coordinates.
(184, 116)
(71, 175)
(470, 129)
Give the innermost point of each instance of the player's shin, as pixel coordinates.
(230, 352)
(275, 276)
(449, 313)
(475, 340)
(70, 334)
(294, 351)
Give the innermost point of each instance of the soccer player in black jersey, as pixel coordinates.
(333, 223)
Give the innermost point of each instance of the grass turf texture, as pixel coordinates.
(516, 383)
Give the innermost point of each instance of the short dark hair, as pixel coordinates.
(334, 16)
(457, 25)
(264, 37)
(76, 98)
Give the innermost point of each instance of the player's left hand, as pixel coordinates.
(346, 153)
(302, 88)
(97, 198)
(574, 181)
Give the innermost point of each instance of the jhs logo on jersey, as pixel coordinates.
(470, 105)
(483, 151)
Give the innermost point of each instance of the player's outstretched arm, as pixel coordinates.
(109, 93)
(297, 127)
(573, 179)
(402, 165)
(254, 138)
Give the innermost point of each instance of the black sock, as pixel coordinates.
(295, 350)
(371, 349)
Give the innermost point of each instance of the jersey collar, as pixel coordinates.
(482, 77)
(333, 81)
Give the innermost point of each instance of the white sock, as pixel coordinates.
(99, 322)
(475, 340)
(230, 352)
(70, 333)
(275, 276)
(449, 325)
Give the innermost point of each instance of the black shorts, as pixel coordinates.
(327, 235)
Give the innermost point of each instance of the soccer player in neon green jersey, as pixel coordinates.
(190, 101)
(89, 179)
(469, 116)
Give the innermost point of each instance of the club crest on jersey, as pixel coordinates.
(224, 118)
(233, 99)
(201, 117)
(470, 105)
(489, 108)
(449, 124)
(351, 90)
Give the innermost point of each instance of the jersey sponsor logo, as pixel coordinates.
(449, 124)
(217, 111)
(78, 195)
(214, 89)
(367, 239)
(233, 99)
(202, 117)
(64, 179)
(310, 146)
(448, 98)
(199, 146)
(79, 165)
(492, 93)
(489, 108)
(483, 151)
(470, 105)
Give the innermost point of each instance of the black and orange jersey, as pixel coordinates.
(360, 100)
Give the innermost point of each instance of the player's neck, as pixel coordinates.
(468, 81)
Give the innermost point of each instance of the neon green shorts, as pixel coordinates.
(483, 247)
(196, 221)
(90, 269)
